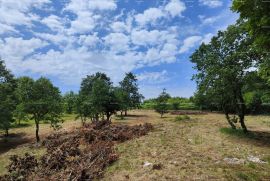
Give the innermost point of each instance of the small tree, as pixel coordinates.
(7, 98)
(161, 103)
(130, 86)
(69, 100)
(43, 101)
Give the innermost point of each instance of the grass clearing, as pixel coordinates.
(186, 150)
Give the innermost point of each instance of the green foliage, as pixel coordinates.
(41, 100)
(253, 102)
(161, 103)
(182, 117)
(174, 103)
(222, 69)
(132, 97)
(98, 97)
(7, 97)
(257, 17)
(70, 99)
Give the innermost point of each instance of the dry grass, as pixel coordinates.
(192, 150)
(187, 150)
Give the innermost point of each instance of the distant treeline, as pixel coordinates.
(173, 103)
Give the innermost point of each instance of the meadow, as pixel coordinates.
(193, 147)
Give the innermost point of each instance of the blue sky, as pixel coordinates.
(65, 40)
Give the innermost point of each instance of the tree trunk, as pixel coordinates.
(6, 133)
(108, 115)
(242, 111)
(242, 122)
(125, 112)
(229, 121)
(37, 130)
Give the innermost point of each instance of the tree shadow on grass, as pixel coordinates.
(135, 116)
(12, 141)
(260, 138)
(22, 125)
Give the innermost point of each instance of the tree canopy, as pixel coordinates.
(222, 67)
(7, 97)
(41, 100)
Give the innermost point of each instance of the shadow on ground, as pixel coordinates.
(12, 141)
(260, 138)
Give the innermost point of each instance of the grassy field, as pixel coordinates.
(199, 148)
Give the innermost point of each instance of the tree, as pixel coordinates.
(256, 14)
(20, 113)
(69, 100)
(121, 97)
(97, 98)
(222, 66)
(130, 86)
(7, 97)
(43, 101)
(161, 103)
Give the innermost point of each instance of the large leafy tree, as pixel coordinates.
(42, 100)
(97, 98)
(7, 97)
(130, 86)
(222, 66)
(256, 13)
(161, 105)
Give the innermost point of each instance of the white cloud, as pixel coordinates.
(53, 22)
(84, 23)
(119, 26)
(102, 4)
(154, 37)
(189, 43)
(211, 3)
(89, 40)
(209, 20)
(153, 77)
(175, 7)
(149, 15)
(14, 12)
(14, 50)
(207, 38)
(118, 42)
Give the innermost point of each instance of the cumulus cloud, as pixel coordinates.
(85, 36)
(211, 3)
(153, 77)
(189, 43)
(14, 12)
(149, 15)
(175, 7)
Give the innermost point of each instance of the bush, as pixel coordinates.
(182, 117)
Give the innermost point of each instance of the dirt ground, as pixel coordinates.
(197, 149)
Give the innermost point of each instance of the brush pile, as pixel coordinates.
(183, 112)
(82, 154)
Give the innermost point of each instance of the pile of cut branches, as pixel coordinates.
(81, 154)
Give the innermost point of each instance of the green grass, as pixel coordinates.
(236, 132)
(182, 117)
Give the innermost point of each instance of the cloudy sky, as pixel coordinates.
(65, 40)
